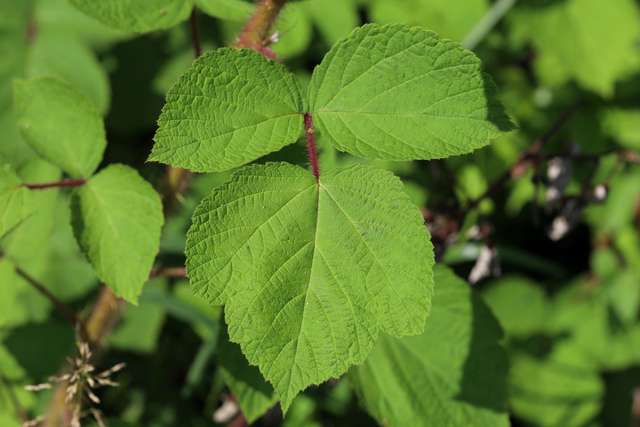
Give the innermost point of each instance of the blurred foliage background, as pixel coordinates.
(545, 222)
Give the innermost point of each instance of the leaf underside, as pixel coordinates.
(116, 218)
(310, 271)
(397, 92)
(231, 107)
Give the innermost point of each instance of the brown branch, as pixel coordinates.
(256, 34)
(169, 272)
(63, 183)
(195, 36)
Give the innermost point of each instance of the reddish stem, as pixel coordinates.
(311, 146)
(63, 183)
(195, 36)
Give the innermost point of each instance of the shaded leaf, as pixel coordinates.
(310, 272)
(255, 395)
(116, 218)
(454, 374)
(396, 92)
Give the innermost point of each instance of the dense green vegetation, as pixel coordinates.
(343, 212)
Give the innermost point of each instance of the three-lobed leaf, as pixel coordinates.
(60, 124)
(116, 218)
(454, 374)
(16, 203)
(310, 271)
(397, 92)
(231, 107)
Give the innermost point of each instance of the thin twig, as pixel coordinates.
(62, 307)
(63, 183)
(195, 35)
(532, 155)
(20, 412)
(169, 272)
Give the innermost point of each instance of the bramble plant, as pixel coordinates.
(321, 258)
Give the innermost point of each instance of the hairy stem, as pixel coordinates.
(256, 33)
(62, 183)
(312, 149)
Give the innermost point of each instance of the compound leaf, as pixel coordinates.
(60, 124)
(116, 218)
(311, 271)
(396, 92)
(16, 203)
(139, 16)
(230, 108)
(454, 374)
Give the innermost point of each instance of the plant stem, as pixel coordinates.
(169, 272)
(63, 183)
(20, 412)
(486, 24)
(311, 146)
(63, 308)
(529, 156)
(195, 35)
(255, 34)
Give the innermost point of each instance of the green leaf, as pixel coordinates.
(255, 395)
(60, 124)
(230, 108)
(591, 41)
(624, 126)
(233, 10)
(310, 272)
(8, 290)
(520, 305)
(116, 218)
(396, 92)
(452, 375)
(550, 393)
(437, 15)
(139, 16)
(16, 203)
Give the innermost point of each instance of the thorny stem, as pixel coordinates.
(62, 183)
(311, 146)
(195, 36)
(63, 308)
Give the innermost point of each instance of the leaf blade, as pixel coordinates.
(271, 245)
(60, 124)
(16, 203)
(116, 218)
(245, 106)
(441, 104)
